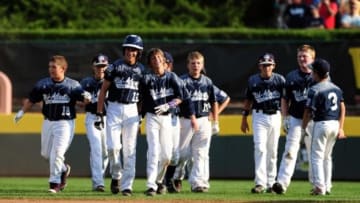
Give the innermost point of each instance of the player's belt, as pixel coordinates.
(266, 111)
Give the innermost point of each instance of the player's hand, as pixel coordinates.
(99, 123)
(244, 125)
(87, 96)
(18, 116)
(215, 128)
(164, 108)
(286, 123)
(341, 134)
(194, 124)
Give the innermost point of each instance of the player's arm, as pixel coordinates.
(26, 107)
(246, 111)
(223, 105)
(102, 95)
(341, 134)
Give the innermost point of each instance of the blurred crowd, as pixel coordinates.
(323, 14)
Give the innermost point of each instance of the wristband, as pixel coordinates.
(245, 112)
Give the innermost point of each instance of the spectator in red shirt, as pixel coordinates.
(328, 10)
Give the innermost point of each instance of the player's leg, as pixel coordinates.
(288, 161)
(200, 146)
(96, 159)
(260, 139)
(46, 139)
(113, 133)
(175, 133)
(186, 134)
(272, 148)
(63, 132)
(317, 153)
(129, 138)
(166, 149)
(153, 143)
(333, 128)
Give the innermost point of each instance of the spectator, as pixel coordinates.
(280, 6)
(315, 21)
(297, 14)
(328, 10)
(351, 17)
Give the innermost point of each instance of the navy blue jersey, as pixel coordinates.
(93, 86)
(125, 81)
(220, 95)
(324, 100)
(202, 95)
(157, 90)
(296, 91)
(59, 98)
(265, 93)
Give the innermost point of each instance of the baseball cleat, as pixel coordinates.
(100, 188)
(177, 185)
(258, 189)
(115, 186)
(278, 188)
(64, 176)
(54, 188)
(126, 193)
(316, 191)
(150, 192)
(161, 189)
(199, 190)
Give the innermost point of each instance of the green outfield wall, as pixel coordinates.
(231, 153)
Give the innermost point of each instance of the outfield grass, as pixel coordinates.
(221, 190)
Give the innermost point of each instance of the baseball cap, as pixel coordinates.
(100, 60)
(320, 66)
(267, 58)
(168, 57)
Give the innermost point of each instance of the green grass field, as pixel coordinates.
(221, 190)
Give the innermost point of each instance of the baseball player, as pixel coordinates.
(223, 100)
(96, 138)
(195, 144)
(263, 96)
(121, 83)
(58, 94)
(325, 105)
(175, 133)
(161, 91)
(297, 85)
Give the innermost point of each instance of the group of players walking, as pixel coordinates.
(181, 116)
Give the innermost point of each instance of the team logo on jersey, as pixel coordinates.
(300, 95)
(162, 93)
(129, 83)
(197, 95)
(56, 98)
(266, 95)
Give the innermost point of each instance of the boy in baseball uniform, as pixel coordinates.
(325, 106)
(263, 96)
(58, 95)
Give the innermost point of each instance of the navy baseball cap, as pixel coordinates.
(100, 60)
(267, 58)
(168, 57)
(320, 66)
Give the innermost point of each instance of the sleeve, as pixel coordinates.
(109, 73)
(78, 91)
(35, 95)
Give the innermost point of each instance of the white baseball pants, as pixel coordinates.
(122, 125)
(56, 137)
(323, 141)
(160, 147)
(266, 130)
(98, 150)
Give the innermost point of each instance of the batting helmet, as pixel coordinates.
(134, 41)
(100, 60)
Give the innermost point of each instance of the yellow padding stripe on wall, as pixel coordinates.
(229, 125)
